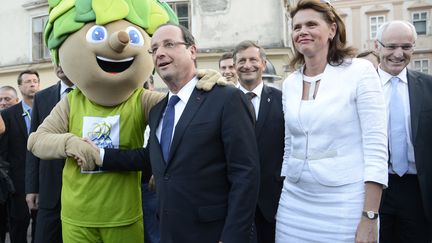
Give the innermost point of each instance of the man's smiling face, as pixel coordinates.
(392, 48)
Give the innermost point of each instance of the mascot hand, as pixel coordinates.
(83, 152)
(208, 78)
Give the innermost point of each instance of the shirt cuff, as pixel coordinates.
(101, 155)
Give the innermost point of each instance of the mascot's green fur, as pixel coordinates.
(102, 47)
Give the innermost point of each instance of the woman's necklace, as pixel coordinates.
(312, 81)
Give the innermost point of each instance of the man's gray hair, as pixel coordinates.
(384, 27)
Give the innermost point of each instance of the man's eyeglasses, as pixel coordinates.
(392, 47)
(167, 45)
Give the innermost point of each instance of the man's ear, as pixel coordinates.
(193, 51)
(376, 45)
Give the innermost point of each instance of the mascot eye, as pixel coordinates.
(96, 34)
(135, 36)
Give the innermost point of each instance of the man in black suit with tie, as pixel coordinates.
(207, 178)
(13, 147)
(250, 63)
(406, 205)
(44, 179)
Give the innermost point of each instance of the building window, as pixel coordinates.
(182, 9)
(375, 22)
(39, 50)
(420, 22)
(422, 65)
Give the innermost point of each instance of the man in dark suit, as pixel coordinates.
(44, 178)
(207, 180)
(250, 63)
(8, 98)
(406, 205)
(13, 147)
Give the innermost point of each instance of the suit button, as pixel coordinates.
(167, 177)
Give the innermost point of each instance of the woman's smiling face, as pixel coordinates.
(311, 33)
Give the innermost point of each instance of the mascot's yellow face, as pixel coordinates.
(107, 62)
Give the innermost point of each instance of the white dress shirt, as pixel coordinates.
(184, 95)
(63, 88)
(403, 92)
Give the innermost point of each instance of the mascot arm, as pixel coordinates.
(52, 140)
(48, 142)
(150, 99)
(208, 78)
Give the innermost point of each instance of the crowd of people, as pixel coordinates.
(340, 154)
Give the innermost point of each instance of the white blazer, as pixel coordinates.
(347, 137)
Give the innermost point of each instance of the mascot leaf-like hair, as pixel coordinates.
(102, 45)
(68, 16)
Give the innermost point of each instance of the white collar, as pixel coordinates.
(63, 87)
(385, 76)
(257, 91)
(185, 92)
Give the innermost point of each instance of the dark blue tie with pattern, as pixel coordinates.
(167, 126)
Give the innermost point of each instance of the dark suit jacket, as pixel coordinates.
(269, 130)
(420, 95)
(208, 188)
(13, 145)
(44, 177)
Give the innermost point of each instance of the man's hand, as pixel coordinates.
(152, 184)
(208, 78)
(84, 152)
(32, 200)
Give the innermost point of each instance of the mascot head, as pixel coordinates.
(102, 45)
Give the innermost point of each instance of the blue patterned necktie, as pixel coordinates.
(27, 119)
(167, 126)
(398, 136)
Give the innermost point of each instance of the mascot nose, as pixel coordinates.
(118, 41)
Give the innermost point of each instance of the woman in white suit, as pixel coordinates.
(335, 160)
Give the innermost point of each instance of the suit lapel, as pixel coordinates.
(55, 94)
(265, 105)
(154, 120)
(415, 97)
(53, 98)
(196, 99)
(20, 119)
